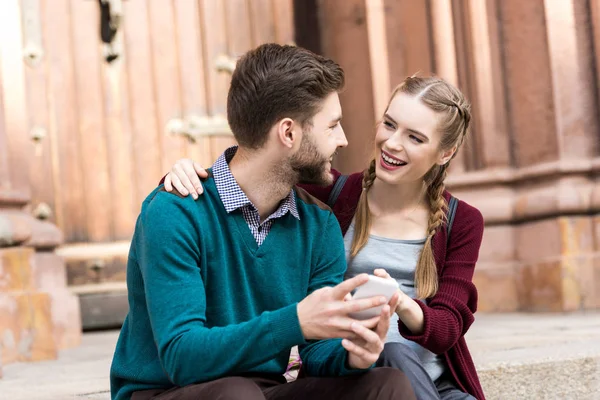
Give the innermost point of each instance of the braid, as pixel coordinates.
(369, 176)
(437, 203)
(362, 223)
(426, 277)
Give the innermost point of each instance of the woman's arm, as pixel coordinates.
(447, 316)
(185, 175)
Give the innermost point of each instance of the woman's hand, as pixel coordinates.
(403, 298)
(185, 178)
(407, 309)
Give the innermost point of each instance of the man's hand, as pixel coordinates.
(365, 350)
(185, 178)
(324, 313)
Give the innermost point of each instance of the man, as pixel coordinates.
(221, 288)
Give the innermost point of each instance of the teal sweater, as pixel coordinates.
(206, 302)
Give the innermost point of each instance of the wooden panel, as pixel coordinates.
(166, 78)
(240, 32)
(378, 50)
(595, 18)
(70, 211)
(146, 151)
(109, 268)
(215, 43)
(307, 32)
(283, 15)
(192, 72)
(15, 117)
(119, 144)
(42, 167)
(92, 137)
(263, 26)
(242, 35)
(4, 165)
(345, 35)
(103, 310)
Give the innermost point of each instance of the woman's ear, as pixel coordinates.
(447, 155)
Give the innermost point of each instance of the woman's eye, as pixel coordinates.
(389, 125)
(416, 139)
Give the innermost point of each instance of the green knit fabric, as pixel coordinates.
(205, 301)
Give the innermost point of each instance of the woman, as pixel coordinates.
(393, 216)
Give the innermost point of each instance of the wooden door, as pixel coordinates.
(100, 135)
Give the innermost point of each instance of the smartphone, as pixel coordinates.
(375, 286)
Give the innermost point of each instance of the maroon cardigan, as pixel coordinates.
(448, 314)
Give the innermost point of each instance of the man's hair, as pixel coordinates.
(273, 82)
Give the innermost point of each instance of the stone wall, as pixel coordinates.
(532, 161)
(38, 313)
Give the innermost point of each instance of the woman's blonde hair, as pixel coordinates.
(447, 100)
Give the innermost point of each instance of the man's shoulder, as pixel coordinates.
(308, 200)
(160, 202)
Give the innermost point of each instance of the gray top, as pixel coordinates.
(399, 258)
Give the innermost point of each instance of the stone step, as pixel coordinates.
(518, 356)
(26, 327)
(38, 313)
(537, 356)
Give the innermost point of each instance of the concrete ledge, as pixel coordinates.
(578, 378)
(537, 356)
(518, 356)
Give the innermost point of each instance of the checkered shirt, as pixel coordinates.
(234, 198)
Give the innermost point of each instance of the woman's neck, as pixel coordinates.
(390, 199)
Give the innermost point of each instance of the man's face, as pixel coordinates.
(319, 143)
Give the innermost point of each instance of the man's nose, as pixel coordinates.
(342, 141)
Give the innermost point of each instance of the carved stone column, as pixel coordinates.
(532, 162)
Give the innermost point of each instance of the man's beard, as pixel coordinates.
(309, 166)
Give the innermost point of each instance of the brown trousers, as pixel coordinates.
(376, 384)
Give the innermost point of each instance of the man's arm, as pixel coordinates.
(169, 257)
(327, 357)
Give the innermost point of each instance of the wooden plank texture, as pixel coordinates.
(192, 75)
(92, 132)
(63, 124)
(145, 142)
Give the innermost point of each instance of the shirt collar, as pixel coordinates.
(233, 197)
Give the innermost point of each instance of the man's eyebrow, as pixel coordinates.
(335, 120)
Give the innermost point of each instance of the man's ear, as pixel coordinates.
(287, 132)
(447, 156)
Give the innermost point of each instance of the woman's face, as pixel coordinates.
(407, 141)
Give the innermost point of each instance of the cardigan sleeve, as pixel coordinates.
(449, 313)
